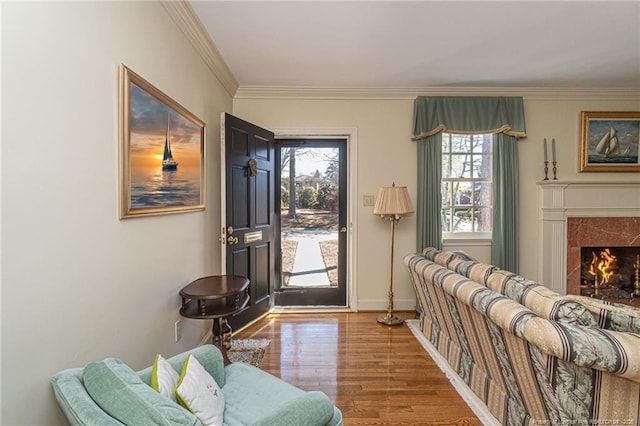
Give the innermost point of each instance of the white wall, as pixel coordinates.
(386, 154)
(77, 283)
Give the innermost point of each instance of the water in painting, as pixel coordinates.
(165, 154)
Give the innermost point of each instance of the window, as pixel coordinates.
(466, 183)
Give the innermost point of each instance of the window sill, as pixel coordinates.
(467, 238)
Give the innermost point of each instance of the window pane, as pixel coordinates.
(483, 218)
(446, 194)
(446, 220)
(461, 220)
(462, 193)
(460, 143)
(482, 144)
(461, 166)
(446, 142)
(483, 194)
(482, 166)
(446, 171)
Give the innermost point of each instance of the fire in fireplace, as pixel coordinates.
(609, 272)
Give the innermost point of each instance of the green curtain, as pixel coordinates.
(504, 238)
(503, 116)
(429, 198)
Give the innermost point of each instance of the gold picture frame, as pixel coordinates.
(162, 152)
(610, 141)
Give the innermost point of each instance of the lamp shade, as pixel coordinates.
(393, 201)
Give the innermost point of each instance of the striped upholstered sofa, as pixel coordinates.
(532, 356)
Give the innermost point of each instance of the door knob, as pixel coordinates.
(343, 229)
(232, 240)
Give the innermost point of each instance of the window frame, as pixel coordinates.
(472, 235)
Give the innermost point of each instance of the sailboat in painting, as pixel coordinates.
(168, 163)
(614, 147)
(609, 144)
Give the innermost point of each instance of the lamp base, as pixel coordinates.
(390, 319)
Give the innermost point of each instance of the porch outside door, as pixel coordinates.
(311, 193)
(248, 229)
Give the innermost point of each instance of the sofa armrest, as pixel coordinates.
(75, 402)
(314, 408)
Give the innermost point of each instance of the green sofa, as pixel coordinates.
(252, 396)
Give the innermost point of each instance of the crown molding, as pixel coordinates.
(186, 20)
(402, 93)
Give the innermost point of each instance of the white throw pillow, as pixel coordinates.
(164, 378)
(199, 393)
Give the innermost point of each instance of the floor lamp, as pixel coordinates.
(392, 202)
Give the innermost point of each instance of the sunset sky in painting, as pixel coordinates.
(148, 124)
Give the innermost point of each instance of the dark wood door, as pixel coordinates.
(250, 212)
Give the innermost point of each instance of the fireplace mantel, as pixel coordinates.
(559, 200)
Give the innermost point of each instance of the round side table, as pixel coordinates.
(216, 297)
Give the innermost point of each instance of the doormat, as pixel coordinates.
(250, 351)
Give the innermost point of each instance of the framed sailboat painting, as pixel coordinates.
(162, 152)
(610, 141)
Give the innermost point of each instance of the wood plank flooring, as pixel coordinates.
(376, 375)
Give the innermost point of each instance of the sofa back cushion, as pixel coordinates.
(540, 299)
(121, 393)
(611, 316)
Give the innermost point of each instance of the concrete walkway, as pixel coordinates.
(309, 269)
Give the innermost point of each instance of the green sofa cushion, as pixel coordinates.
(283, 405)
(120, 392)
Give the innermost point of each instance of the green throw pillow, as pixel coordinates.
(119, 391)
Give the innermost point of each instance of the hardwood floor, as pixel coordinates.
(376, 375)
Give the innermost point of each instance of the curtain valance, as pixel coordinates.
(468, 115)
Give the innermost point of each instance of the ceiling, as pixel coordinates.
(553, 44)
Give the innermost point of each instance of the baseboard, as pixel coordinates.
(476, 404)
(382, 304)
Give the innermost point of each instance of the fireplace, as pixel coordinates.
(609, 272)
(575, 214)
(603, 249)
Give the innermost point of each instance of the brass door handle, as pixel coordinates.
(343, 229)
(232, 240)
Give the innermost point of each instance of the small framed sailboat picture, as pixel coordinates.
(610, 141)
(162, 152)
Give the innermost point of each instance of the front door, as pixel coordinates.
(311, 183)
(248, 220)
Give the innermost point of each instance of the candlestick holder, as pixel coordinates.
(555, 170)
(596, 290)
(546, 170)
(636, 283)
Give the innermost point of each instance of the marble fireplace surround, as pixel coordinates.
(582, 213)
